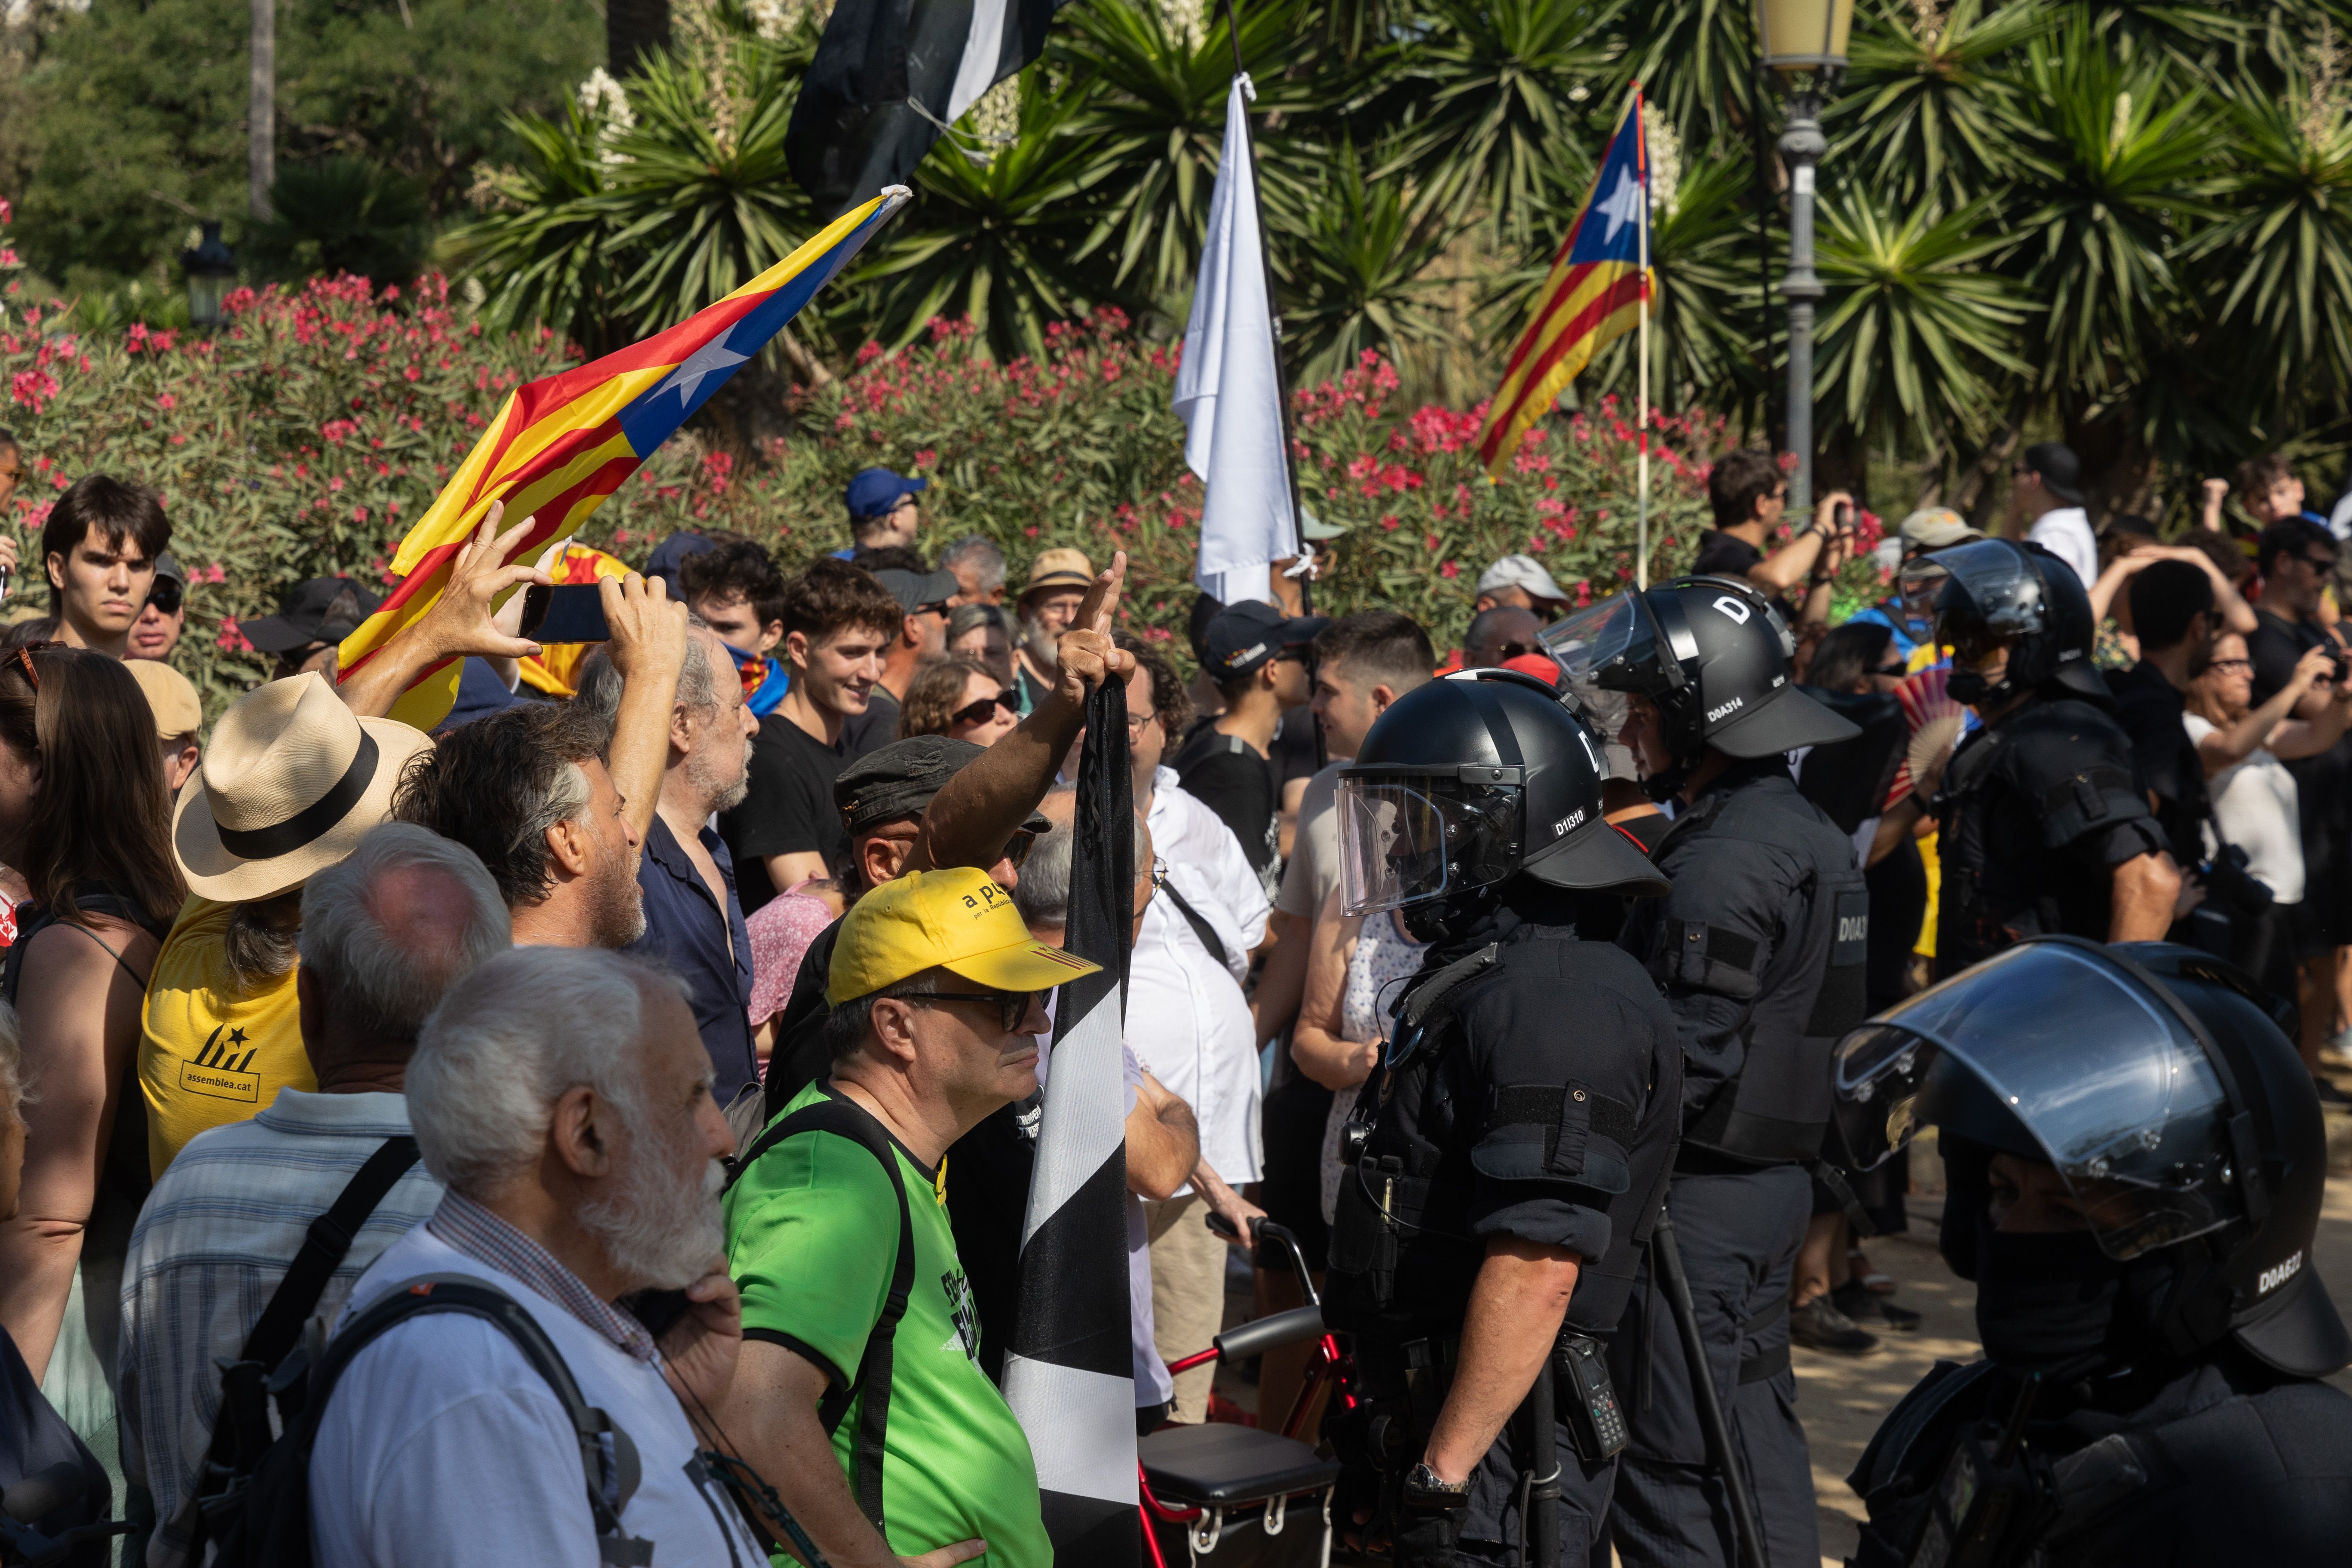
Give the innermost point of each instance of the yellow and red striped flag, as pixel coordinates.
(560, 444)
(1593, 296)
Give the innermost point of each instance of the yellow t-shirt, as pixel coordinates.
(208, 1053)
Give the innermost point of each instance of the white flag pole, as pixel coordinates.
(1641, 353)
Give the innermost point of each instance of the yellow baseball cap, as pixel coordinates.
(956, 920)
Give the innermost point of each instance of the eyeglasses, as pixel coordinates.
(1017, 848)
(2230, 664)
(1012, 1006)
(980, 712)
(165, 596)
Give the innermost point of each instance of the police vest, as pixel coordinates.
(1765, 936)
(1429, 1128)
(2017, 794)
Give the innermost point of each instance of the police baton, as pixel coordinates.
(1667, 1260)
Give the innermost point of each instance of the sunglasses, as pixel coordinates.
(980, 712)
(166, 596)
(1892, 671)
(1507, 650)
(25, 659)
(1012, 1006)
(2320, 563)
(1017, 848)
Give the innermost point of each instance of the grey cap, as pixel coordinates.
(900, 780)
(913, 590)
(167, 566)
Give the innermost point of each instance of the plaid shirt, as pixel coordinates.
(482, 1235)
(212, 1244)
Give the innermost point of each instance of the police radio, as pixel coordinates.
(1588, 1405)
(1993, 1500)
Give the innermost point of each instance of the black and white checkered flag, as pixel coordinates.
(1070, 1375)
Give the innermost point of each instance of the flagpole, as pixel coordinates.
(1273, 317)
(1641, 353)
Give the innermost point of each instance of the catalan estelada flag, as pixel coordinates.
(1593, 296)
(561, 445)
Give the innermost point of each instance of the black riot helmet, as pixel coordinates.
(1711, 654)
(1994, 593)
(1466, 781)
(2157, 1081)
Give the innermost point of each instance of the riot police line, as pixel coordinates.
(1575, 1186)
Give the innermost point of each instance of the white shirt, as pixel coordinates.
(1206, 863)
(2259, 810)
(442, 1445)
(1187, 1020)
(2067, 533)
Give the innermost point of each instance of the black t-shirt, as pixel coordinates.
(1722, 555)
(2274, 646)
(1227, 775)
(874, 727)
(2150, 708)
(1294, 747)
(788, 809)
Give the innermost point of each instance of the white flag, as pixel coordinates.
(1227, 391)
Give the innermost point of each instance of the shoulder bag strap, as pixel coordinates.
(1198, 921)
(846, 1118)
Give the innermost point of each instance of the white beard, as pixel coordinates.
(664, 1231)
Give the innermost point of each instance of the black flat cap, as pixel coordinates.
(900, 780)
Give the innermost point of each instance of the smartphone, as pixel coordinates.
(1844, 517)
(570, 611)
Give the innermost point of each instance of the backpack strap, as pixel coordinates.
(1197, 920)
(847, 1119)
(602, 1467)
(241, 1430)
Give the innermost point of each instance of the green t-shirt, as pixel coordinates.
(811, 1231)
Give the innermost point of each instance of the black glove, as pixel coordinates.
(1424, 1537)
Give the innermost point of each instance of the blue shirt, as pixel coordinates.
(687, 930)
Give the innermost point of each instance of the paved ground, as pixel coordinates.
(1842, 1399)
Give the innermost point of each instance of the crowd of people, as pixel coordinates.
(306, 1009)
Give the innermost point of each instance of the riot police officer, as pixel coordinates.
(2135, 1164)
(1503, 1161)
(2042, 825)
(1760, 950)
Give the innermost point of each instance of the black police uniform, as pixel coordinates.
(2150, 1391)
(1541, 1105)
(1530, 1089)
(1761, 949)
(2035, 813)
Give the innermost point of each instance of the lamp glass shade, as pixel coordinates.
(205, 292)
(1803, 34)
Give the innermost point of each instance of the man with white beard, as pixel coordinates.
(563, 1098)
(1059, 581)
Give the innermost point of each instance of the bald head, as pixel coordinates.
(384, 933)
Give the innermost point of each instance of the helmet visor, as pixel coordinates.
(1406, 837)
(1977, 597)
(2108, 1080)
(1613, 646)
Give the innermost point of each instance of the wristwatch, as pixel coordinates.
(1423, 1489)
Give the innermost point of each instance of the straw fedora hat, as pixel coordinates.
(291, 781)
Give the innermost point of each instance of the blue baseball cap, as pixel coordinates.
(876, 490)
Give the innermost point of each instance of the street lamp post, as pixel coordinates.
(1802, 35)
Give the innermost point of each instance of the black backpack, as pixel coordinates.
(847, 1119)
(261, 1513)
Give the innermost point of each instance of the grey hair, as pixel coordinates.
(1043, 894)
(377, 980)
(977, 547)
(256, 948)
(597, 685)
(846, 1026)
(964, 618)
(509, 1040)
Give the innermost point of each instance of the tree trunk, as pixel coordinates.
(633, 28)
(261, 111)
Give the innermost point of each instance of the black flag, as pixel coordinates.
(889, 76)
(1070, 1376)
